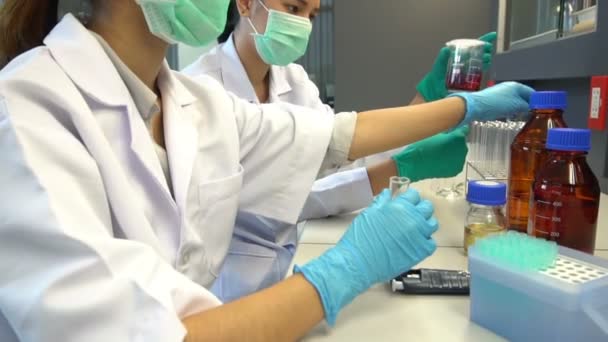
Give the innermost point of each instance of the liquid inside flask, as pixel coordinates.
(566, 193)
(528, 152)
(465, 66)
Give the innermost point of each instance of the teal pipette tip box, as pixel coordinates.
(566, 301)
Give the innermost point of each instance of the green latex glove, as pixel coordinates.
(440, 156)
(432, 87)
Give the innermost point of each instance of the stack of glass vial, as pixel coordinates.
(489, 152)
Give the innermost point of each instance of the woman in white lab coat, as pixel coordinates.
(257, 71)
(121, 180)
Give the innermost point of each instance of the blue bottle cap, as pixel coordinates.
(569, 139)
(487, 193)
(549, 100)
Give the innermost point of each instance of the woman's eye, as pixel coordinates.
(293, 9)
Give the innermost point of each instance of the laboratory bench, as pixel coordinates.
(381, 315)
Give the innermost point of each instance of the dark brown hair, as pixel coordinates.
(23, 26)
(233, 20)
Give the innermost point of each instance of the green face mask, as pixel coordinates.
(285, 39)
(192, 22)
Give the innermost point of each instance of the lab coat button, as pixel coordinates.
(185, 258)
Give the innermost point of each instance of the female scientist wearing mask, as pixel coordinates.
(121, 180)
(256, 63)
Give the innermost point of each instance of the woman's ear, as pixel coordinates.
(244, 7)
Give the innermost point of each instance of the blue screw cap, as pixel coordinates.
(549, 100)
(487, 193)
(569, 139)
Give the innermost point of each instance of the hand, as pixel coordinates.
(504, 100)
(432, 87)
(387, 239)
(440, 156)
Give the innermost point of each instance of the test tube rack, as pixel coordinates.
(489, 150)
(565, 302)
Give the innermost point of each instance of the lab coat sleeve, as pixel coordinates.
(63, 275)
(341, 140)
(344, 126)
(340, 193)
(308, 95)
(282, 149)
(306, 90)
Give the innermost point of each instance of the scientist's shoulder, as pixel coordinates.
(34, 82)
(207, 64)
(295, 74)
(203, 86)
(33, 64)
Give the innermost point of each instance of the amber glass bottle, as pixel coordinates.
(566, 193)
(528, 152)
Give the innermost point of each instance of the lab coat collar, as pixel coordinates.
(236, 80)
(278, 82)
(172, 87)
(181, 136)
(234, 76)
(70, 44)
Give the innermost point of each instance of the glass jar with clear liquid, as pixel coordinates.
(566, 194)
(486, 211)
(528, 153)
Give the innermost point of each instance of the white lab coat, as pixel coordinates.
(262, 249)
(92, 245)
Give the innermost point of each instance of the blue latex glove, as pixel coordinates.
(387, 239)
(433, 87)
(504, 100)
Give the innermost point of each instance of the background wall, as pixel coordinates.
(385, 47)
(319, 59)
(567, 64)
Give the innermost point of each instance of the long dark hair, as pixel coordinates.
(24, 24)
(233, 20)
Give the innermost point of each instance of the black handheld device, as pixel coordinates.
(432, 282)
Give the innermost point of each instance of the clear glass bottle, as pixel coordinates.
(528, 153)
(566, 193)
(486, 214)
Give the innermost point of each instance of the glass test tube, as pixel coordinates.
(399, 185)
(474, 137)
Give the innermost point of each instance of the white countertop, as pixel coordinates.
(450, 213)
(380, 315)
